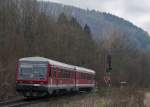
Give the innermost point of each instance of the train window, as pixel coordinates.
(25, 72)
(89, 77)
(67, 74)
(92, 77)
(63, 73)
(59, 73)
(85, 76)
(81, 76)
(39, 72)
(78, 75)
(71, 74)
(32, 71)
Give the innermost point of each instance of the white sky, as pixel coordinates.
(136, 11)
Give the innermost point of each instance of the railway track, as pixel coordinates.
(15, 102)
(20, 102)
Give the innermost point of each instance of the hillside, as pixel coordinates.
(102, 25)
(33, 28)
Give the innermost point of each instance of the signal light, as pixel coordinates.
(109, 70)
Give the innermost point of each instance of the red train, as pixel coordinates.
(38, 76)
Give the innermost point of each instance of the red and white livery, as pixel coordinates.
(38, 76)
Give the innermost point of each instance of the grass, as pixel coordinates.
(103, 97)
(123, 97)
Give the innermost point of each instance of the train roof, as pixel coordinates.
(56, 63)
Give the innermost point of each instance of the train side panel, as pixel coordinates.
(62, 79)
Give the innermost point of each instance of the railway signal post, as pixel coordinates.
(108, 69)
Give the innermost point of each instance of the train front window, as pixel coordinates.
(32, 71)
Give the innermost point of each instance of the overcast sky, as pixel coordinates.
(136, 11)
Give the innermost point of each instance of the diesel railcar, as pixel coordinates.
(39, 76)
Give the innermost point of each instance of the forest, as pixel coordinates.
(27, 30)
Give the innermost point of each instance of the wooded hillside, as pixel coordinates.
(26, 30)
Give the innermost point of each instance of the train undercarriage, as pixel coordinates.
(31, 91)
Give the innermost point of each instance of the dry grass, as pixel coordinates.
(127, 97)
(109, 98)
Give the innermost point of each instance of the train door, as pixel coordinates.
(59, 77)
(74, 77)
(56, 76)
(76, 80)
(53, 77)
